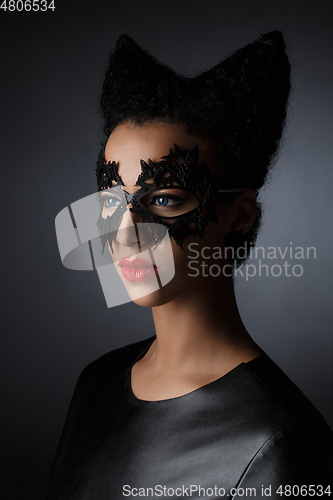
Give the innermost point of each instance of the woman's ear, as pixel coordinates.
(243, 211)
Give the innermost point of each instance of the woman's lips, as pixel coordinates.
(137, 269)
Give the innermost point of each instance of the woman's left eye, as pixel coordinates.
(166, 201)
(170, 205)
(163, 201)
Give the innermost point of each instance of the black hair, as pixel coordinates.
(239, 105)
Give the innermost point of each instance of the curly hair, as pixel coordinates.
(239, 106)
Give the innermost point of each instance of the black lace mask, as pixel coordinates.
(172, 195)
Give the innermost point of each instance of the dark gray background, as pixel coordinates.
(55, 321)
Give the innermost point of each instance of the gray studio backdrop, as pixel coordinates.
(55, 321)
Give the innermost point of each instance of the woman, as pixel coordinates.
(199, 410)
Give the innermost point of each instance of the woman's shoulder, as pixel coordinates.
(281, 394)
(114, 363)
(295, 461)
(103, 379)
(290, 440)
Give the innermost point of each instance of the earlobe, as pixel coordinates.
(245, 211)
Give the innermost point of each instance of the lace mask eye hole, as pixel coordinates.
(170, 203)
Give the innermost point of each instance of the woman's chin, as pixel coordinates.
(153, 299)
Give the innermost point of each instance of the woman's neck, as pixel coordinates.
(206, 316)
(199, 338)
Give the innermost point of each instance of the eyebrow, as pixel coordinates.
(105, 192)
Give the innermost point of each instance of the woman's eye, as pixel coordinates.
(111, 202)
(164, 201)
(170, 205)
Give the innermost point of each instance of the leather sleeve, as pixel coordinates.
(296, 456)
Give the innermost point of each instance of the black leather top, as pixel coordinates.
(252, 428)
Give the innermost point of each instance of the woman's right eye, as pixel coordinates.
(111, 202)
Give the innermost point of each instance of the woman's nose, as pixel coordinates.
(130, 231)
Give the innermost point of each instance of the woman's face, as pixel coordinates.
(132, 244)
